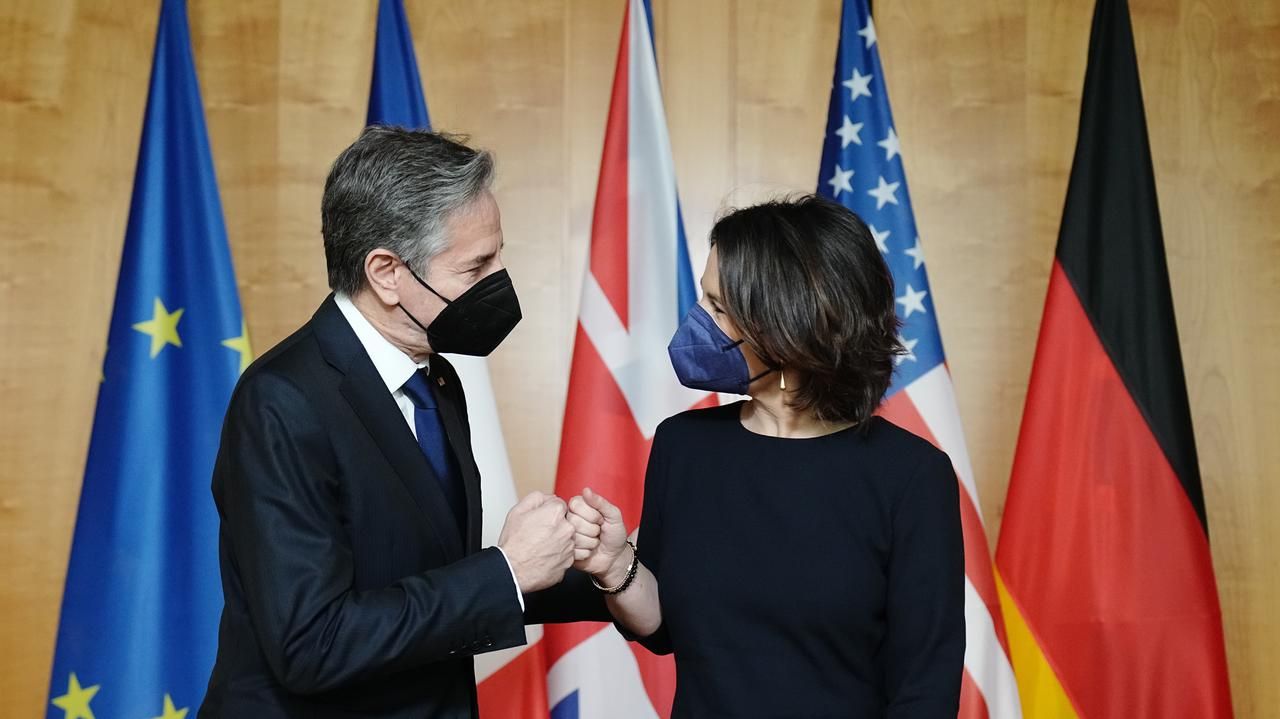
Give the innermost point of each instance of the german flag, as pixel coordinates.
(1103, 562)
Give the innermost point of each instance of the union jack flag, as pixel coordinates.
(638, 286)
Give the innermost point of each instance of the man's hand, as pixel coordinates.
(600, 538)
(538, 541)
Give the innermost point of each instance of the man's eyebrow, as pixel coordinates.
(482, 259)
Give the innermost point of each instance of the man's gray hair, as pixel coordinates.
(395, 189)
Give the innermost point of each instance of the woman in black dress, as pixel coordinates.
(801, 556)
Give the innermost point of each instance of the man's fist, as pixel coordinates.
(538, 541)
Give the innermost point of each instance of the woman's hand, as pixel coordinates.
(600, 538)
(600, 549)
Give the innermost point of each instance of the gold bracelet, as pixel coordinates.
(631, 574)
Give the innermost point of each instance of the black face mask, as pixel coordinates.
(477, 321)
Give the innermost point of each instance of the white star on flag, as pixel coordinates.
(890, 145)
(859, 85)
(869, 33)
(909, 346)
(848, 133)
(880, 238)
(840, 181)
(921, 393)
(916, 254)
(885, 193)
(912, 301)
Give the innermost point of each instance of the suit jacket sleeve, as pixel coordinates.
(277, 493)
(924, 640)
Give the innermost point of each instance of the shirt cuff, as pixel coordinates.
(514, 581)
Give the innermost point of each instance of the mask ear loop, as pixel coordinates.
(409, 314)
(424, 284)
(752, 380)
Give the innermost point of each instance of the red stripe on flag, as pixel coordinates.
(604, 448)
(972, 705)
(518, 690)
(559, 639)
(1100, 545)
(609, 251)
(900, 410)
(659, 676)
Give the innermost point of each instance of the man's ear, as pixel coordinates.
(384, 272)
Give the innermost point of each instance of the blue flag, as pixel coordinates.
(395, 97)
(862, 169)
(138, 630)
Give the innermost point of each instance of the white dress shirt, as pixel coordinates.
(395, 368)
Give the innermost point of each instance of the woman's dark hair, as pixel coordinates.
(804, 281)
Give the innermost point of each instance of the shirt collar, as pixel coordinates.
(393, 365)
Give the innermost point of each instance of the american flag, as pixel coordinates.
(862, 169)
(638, 286)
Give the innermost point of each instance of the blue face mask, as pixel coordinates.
(705, 358)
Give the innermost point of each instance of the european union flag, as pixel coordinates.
(395, 97)
(139, 622)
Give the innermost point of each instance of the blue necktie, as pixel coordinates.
(435, 445)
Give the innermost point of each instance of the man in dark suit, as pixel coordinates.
(349, 498)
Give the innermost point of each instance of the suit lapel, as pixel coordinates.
(367, 394)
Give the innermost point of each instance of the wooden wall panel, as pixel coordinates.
(959, 114)
(783, 61)
(498, 75)
(72, 89)
(697, 51)
(986, 100)
(1211, 81)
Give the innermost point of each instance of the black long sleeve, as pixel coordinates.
(805, 577)
(924, 640)
(572, 600)
(649, 541)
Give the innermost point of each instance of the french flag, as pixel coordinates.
(511, 683)
(638, 286)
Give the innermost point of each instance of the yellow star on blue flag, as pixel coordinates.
(143, 593)
(170, 711)
(75, 703)
(162, 328)
(241, 345)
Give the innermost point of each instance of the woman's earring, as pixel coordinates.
(782, 380)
